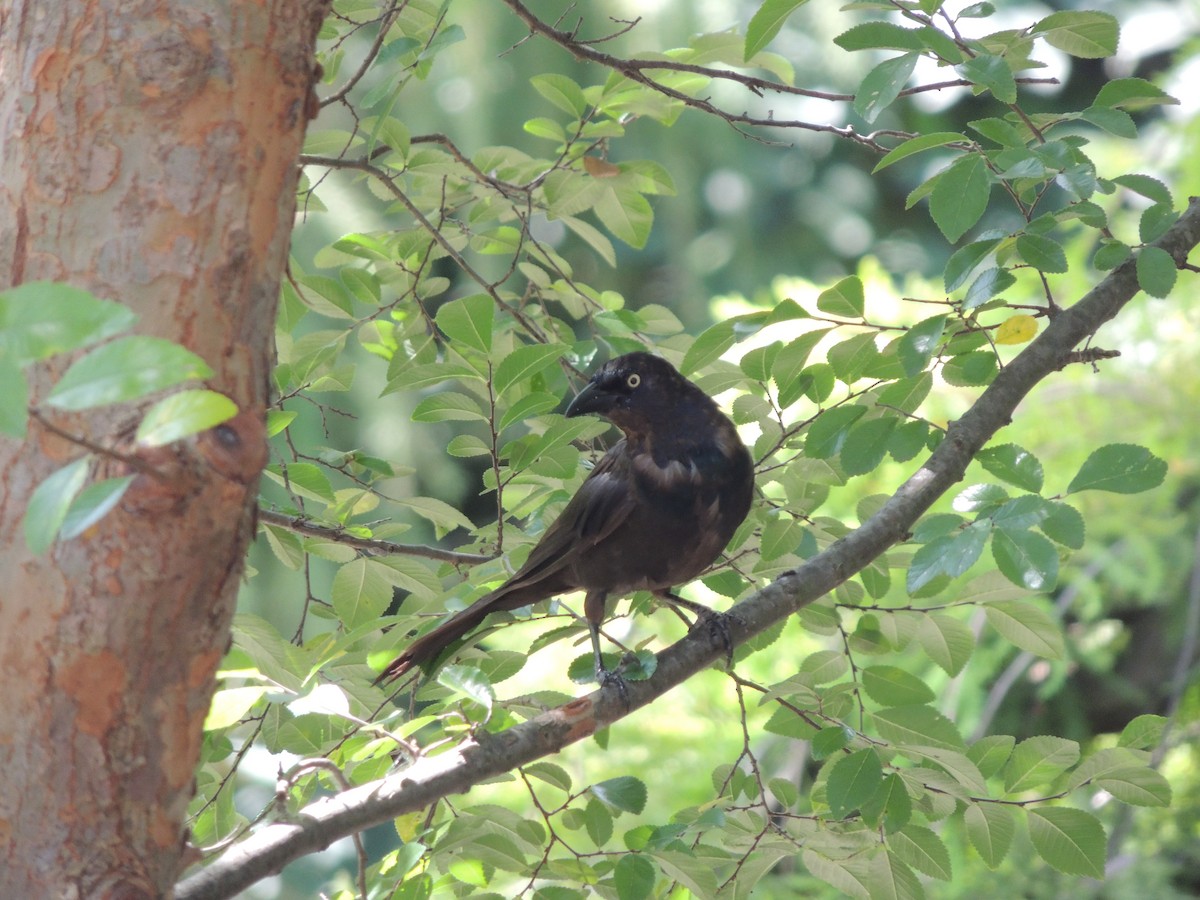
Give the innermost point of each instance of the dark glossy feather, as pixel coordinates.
(655, 512)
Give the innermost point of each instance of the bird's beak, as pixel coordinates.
(592, 399)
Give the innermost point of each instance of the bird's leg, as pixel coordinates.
(593, 611)
(717, 622)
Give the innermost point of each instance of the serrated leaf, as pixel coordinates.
(1110, 254)
(890, 807)
(50, 502)
(883, 84)
(183, 414)
(470, 682)
(867, 444)
(946, 640)
(1013, 464)
(852, 781)
(987, 285)
(991, 753)
(561, 91)
(1037, 760)
(949, 555)
(1143, 733)
(708, 347)
(960, 196)
(843, 299)
(827, 435)
(919, 144)
(764, 25)
(993, 73)
(1026, 559)
(879, 36)
(525, 362)
(964, 261)
(1028, 627)
(1120, 469)
(92, 504)
(624, 793)
(1043, 253)
(990, 828)
(919, 343)
(1137, 786)
(1087, 34)
(923, 850)
(918, 725)
(1132, 93)
(39, 319)
(892, 686)
(1149, 187)
(1070, 840)
(468, 321)
(634, 877)
(360, 593)
(125, 369)
(1156, 271)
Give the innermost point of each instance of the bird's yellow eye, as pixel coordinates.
(633, 380)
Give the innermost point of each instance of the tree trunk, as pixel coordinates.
(148, 154)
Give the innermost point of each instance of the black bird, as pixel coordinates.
(655, 511)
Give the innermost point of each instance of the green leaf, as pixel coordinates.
(828, 433)
(829, 741)
(14, 398)
(1063, 524)
(40, 319)
(1087, 34)
(562, 92)
(1143, 733)
(765, 24)
(634, 876)
(883, 84)
(919, 726)
(624, 793)
(852, 781)
(843, 299)
(708, 347)
(183, 414)
(525, 362)
(907, 394)
(950, 555)
(1037, 760)
(1043, 253)
(1027, 626)
(50, 502)
(92, 504)
(360, 592)
(1132, 94)
(866, 445)
(1137, 786)
(890, 806)
(919, 343)
(990, 282)
(125, 369)
(449, 406)
(946, 640)
(1026, 559)
(470, 682)
(991, 753)
(1154, 223)
(990, 828)
(1114, 121)
(923, 850)
(960, 196)
(879, 36)
(965, 260)
(1120, 469)
(1156, 271)
(229, 705)
(551, 773)
(893, 686)
(445, 518)
(993, 73)
(627, 214)
(468, 321)
(1013, 464)
(1148, 187)
(1110, 254)
(1070, 840)
(919, 144)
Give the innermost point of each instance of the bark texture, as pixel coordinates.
(148, 154)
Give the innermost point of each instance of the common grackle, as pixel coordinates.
(655, 511)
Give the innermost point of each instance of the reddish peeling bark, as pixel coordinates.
(147, 153)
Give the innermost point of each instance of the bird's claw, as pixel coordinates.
(613, 677)
(718, 625)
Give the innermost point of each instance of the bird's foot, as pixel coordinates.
(719, 625)
(614, 678)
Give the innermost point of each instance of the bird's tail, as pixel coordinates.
(428, 647)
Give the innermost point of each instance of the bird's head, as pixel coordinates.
(638, 392)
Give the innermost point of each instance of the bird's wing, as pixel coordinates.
(602, 503)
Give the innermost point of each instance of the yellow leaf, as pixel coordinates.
(1016, 330)
(600, 168)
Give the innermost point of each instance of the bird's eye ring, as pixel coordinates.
(633, 379)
